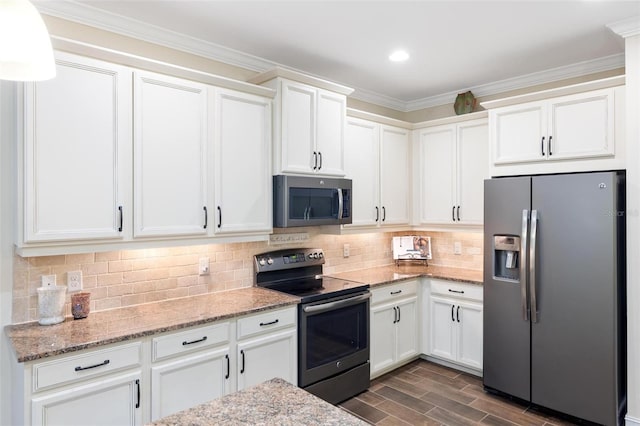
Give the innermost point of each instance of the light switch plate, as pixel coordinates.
(203, 269)
(345, 250)
(48, 280)
(457, 247)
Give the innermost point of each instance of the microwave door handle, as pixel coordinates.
(340, 203)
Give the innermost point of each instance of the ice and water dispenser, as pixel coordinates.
(506, 257)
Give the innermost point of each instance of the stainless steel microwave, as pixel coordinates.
(310, 200)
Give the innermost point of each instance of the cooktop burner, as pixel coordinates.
(299, 272)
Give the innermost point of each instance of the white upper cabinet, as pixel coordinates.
(362, 159)
(309, 123)
(242, 151)
(311, 130)
(377, 162)
(576, 132)
(170, 153)
(453, 163)
(395, 175)
(75, 165)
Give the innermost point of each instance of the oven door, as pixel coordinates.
(333, 336)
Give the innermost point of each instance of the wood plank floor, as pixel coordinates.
(424, 393)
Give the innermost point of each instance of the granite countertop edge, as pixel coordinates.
(31, 341)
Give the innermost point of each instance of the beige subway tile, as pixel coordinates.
(167, 284)
(109, 279)
(77, 259)
(157, 273)
(107, 256)
(189, 281)
(20, 310)
(155, 296)
(95, 268)
(175, 293)
(120, 266)
(119, 290)
(48, 260)
(183, 271)
(224, 256)
(132, 254)
(99, 293)
(144, 286)
(197, 289)
(110, 303)
(133, 299)
(214, 287)
(134, 276)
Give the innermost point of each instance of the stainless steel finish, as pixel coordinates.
(532, 266)
(324, 307)
(523, 265)
(571, 356)
(340, 203)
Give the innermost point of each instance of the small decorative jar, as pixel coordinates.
(80, 305)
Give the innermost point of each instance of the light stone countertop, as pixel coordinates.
(274, 402)
(32, 341)
(382, 275)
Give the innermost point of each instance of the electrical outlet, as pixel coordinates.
(48, 280)
(457, 247)
(345, 250)
(74, 280)
(204, 266)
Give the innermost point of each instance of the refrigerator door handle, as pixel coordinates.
(532, 266)
(523, 265)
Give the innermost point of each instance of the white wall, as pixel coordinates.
(7, 128)
(632, 59)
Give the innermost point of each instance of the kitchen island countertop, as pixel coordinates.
(274, 402)
(387, 274)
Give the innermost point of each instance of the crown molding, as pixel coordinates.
(627, 27)
(528, 80)
(88, 15)
(94, 17)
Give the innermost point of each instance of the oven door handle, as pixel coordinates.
(323, 307)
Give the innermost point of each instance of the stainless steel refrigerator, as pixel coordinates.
(554, 292)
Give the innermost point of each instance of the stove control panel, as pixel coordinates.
(288, 259)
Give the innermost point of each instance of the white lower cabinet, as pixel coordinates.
(394, 326)
(189, 381)
(455, 323)
(267, 347)
(101, 387)
(110, 401)
(266, 357)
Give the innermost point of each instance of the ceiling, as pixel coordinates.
(454, 45)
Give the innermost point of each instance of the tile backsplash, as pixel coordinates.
(130, 277)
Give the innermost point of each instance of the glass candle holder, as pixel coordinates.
(80, 305)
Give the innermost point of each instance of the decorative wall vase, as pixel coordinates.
(465, 103)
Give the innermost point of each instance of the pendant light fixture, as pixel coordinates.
(25, 46)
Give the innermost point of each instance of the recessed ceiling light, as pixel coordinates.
(399, 56)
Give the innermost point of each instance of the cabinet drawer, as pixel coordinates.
(457, 289)
(394, 291)
(79, 367)
(265, 322)
(190, 340)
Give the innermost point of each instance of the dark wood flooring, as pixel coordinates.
(424, 393)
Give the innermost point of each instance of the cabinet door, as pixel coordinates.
(332, 109)
(273, 355)
(582, 126)
(112, 401)
(407, 330)
(362, 166)
(517, 132)
(242, 164)
(77, 135)
(382, 341)
(170, 152)
(441, 328)
(437, 174)
(189, 381)
(298, 131)
(472, 170)
(394, 176)
(469, 324)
